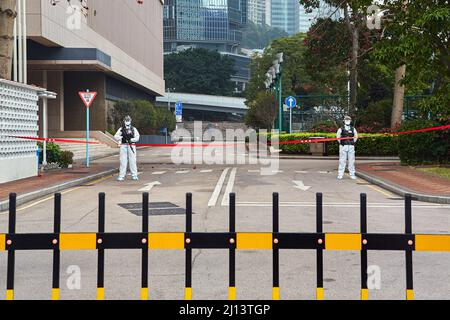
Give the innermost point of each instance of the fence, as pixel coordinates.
(231, 240)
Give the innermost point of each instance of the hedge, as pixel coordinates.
(373, 145)
(424, 147)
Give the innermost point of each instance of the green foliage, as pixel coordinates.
(53, 152)
(165, 119)
(377, 115)
(371, 145)
(65, 159)
(259, 36)
(142, 112)
(424, 147)
(262, 111)
(199, 71)
(418, 35)
(295, 79)
(327, 50)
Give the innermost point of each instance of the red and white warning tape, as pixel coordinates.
(204, 145)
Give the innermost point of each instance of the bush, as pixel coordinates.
(371, 145)
(53, 152)
(423, 147)
(376, 116)
(65, 159)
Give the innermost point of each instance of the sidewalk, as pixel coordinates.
(403, 179)
(53, 181)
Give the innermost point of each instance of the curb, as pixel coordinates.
(27, 197)
(97, 157)
(402, 192)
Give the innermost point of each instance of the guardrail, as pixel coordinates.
(319, 241)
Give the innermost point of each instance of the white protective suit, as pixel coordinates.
(128, 153)
(346, 153)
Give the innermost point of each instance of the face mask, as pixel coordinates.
(347, 122)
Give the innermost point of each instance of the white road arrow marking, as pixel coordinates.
(300, 185)
(149, 186)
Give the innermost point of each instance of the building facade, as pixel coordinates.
(285, 15)
(211, 24)
(259, 11)
(306, 19)
(114, 48)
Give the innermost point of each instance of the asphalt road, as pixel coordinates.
(209, 185)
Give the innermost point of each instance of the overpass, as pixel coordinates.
(199, 104)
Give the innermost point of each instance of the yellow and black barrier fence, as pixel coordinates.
(231, 240)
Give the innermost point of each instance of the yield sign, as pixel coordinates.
(87, 97)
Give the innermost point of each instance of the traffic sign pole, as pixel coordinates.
(290, 120)
(87, 137)
(87, 98)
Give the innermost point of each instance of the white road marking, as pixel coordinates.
(215, 195)
(301, 171)
(205, 171)
(229, 188)
(324, 172)
(339, 204)
(182, 172)
(149, 186)
(254, 171)
(159, 172)
(300, 185)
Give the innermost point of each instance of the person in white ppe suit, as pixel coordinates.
(347, 148)
(127, 136)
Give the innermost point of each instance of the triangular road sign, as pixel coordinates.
(87, 97)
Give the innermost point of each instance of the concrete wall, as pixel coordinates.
(74, 109)
(55, 107)
(18, 117)
(128, 32)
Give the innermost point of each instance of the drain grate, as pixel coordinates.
(155, 208)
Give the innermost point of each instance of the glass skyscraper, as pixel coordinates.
(285, 15)
(212, 24)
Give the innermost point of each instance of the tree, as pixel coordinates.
(165, 119)
(199, 71)
(262, 111)
(257, 36)
(417, 35)
(142, 112)
(354, 18)
(295, 78)
(7, 15)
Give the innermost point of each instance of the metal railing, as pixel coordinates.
(275, 241)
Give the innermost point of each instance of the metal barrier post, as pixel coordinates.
(319, 252)
(275, 250)
(232, 254)
(101, 251)
(409, 251)
(145, 213)
(188, 285)
(56, 251)
(11, 251)
(363, 212)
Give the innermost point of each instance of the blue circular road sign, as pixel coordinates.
(291, 102)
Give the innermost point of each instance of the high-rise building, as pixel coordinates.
(259, 11)
(285, 15)
(308, 18)
(211, 24)
(115, 50)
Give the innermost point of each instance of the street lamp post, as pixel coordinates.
(274, 78)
